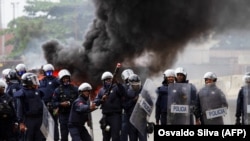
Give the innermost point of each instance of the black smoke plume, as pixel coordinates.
(123, 30)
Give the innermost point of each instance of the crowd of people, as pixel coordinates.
(23, 96)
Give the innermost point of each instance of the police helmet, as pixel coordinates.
(107, 75)
(2, 84)
(134, 79)
(48, 69)
(169, 72)
(12, 76)
(6, 72)
(29, 79)
(180, 70)
(62, 73)
(210, 75)
(84, 87)
(126, 73)
(246, 77)
(21, 69)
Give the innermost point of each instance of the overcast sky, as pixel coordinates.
(7, 10)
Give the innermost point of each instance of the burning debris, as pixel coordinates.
(125, 30)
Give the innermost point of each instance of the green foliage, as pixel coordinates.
(46, 20)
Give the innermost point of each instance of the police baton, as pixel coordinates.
(117, 68)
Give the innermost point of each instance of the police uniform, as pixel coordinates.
(61, 94)
(48, 84)
(111, 110)
(77, 119)
(8, 120)
(130, 103)
(161, 104)
(30, 112)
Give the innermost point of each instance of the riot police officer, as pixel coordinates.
(181, 95)
(162, 99)
(124, 132)
(243, 101)
(48, 84)
(210, 99)
(30, 107)
(14, 82)
(80, 109)
(21, 69)
(133, 92)
(62, 99)
(5, 72)
(111, 105)
(8, 120)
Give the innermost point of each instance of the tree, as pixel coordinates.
(47, 20)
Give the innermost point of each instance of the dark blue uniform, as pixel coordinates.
(77, 119)
(111, 110)
(48, 85)
(161, 104)
(7, 119)
(30, 112)
(125, 122)
(64, 93)
(240, 111)
(129, 105)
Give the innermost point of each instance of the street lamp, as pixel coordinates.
(14, 3)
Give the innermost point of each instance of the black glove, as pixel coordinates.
(237, 122)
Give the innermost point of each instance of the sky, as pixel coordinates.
(7, 10)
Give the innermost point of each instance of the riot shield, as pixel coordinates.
(246, 105)
(179, 104)
(144, 106)
(213, 105)
(47, 127)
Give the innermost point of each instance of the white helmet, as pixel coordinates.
(246, 77)
(126, 73)
(169, 72)
(180, 70)
(21, 69)
(84, 87)
(2, 83)
(6, 72)
(210, 75)
(48, 67)
(106, 75)
(62, 73)
(134, 79)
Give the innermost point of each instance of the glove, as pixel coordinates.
(237, 121)
(22, 127)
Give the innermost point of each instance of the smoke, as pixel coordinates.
(124, 30)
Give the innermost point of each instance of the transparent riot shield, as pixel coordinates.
(213, 105)
(144, 106)
(179, 104)
(246, 105)
(47, 127)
